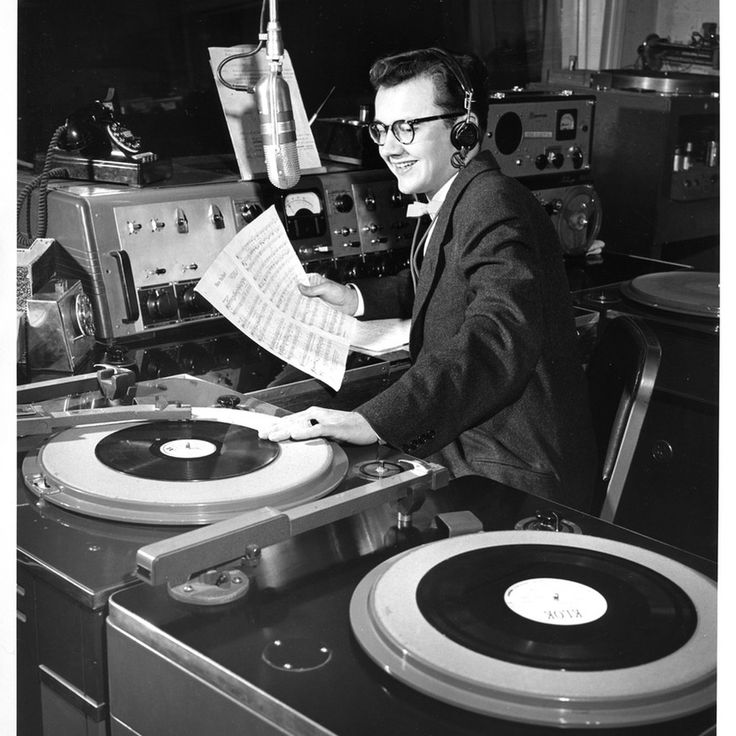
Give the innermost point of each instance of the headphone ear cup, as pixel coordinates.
(464, 134)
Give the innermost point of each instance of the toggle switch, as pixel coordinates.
(216, 218)
(180, 220)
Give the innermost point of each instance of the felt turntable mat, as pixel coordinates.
(181, 472)
(694, 293)
(546, 628)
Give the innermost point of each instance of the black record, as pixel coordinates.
(186, 450)
(647, 615)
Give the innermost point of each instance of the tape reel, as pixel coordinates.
(576, 215)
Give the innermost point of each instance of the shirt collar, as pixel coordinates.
(417, 209)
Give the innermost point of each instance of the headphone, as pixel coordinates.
(465, 134)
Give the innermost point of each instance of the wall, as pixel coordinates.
(679, 18)
(154, 52)
(583, 25)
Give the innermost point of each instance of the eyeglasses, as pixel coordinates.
(403, 130)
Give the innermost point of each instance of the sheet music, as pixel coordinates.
(381, 336)
(253, 282)
(241, 111)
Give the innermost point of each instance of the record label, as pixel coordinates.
(555, 601)
(188, 449)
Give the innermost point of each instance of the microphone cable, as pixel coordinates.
(261, 39)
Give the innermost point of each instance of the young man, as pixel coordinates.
(495, 387)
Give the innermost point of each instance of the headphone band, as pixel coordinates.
(464, 134)
(452, 64)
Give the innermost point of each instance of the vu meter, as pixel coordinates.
(304, 215)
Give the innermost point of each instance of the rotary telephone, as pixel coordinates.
(97, 131)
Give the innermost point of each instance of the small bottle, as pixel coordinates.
(687, 159)
(677, 160)
(711, 153)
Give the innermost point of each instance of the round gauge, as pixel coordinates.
(294, 202)
(83, 313)
(567, 121)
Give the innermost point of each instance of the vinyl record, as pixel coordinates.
(532, 626)
(185, 450)
(189, 472)
(646, 616)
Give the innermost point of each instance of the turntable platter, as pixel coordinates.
(686, 292)
(660, 82)
(544, 628)
(174, 472)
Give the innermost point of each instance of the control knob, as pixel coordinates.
(343, 203)
(553, 207)
(193, 300)
(157, 364)
(556, 159)
(249, 211)
(161, 303)
(578, 220)
(576, 156)
(194, 359)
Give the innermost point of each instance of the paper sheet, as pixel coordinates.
(241, 111)
(253, 282)
(380, 336)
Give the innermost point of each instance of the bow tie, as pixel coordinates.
(417, 209)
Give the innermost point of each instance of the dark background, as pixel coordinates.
(154, 53)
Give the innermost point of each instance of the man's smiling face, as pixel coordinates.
(423, 165)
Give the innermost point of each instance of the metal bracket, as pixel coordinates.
(33, 419)
(212, 588)
(175, 559)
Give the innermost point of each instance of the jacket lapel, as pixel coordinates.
(433, 259)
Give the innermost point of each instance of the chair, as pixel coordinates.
(621, 373)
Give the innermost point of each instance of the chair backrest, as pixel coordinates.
(621, 374)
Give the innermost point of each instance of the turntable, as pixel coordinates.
(540, 628)
(193, 471)
(182, 466)
(362, 627)
(344, 611)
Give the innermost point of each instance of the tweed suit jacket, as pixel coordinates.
(496, 387)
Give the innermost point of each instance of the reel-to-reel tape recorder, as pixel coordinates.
(545, 140)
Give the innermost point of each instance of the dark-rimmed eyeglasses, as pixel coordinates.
(403, 130)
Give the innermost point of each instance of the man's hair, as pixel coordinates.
(394, 69)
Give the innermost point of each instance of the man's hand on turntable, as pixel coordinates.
(343, 426)
(340, 297)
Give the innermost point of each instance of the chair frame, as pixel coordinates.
(631, 412)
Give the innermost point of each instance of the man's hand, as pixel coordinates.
(343, 426)
(342, 298)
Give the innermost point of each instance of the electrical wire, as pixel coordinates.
(243, 55)
(25, 237)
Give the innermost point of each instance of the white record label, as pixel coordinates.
(188, 448)
(555, 601)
